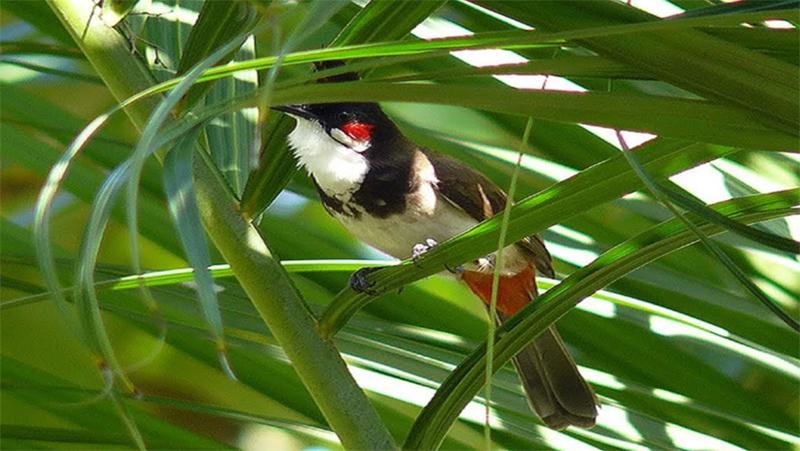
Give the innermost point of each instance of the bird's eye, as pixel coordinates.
(345, 117)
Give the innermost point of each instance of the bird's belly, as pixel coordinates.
(397, 234)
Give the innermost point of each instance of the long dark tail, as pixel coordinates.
(556, 390)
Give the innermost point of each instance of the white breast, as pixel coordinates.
(337, 169)
(397, 234)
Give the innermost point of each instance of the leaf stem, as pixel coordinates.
(501, 243)
(720, 255)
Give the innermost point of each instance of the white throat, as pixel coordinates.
(338, 169)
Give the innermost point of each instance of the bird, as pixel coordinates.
(403, 199)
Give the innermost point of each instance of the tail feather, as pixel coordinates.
(555, 389)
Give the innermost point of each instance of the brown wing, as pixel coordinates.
(480, 198)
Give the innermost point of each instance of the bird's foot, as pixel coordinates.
(420, 248)
(487, 263)
(457, 270)
(360, 284)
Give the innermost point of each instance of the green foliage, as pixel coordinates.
(107, 344)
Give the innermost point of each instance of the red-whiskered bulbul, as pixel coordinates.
(401, 199)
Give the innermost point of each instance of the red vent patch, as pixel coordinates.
(358, 130)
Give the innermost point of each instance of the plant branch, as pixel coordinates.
(316, 361)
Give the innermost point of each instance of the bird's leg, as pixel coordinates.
(421, 248)
(487, 263)
(359, 283)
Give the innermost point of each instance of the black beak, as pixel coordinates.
(296, 110)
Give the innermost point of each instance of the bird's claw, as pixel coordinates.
(458, 270)
(420, 248)
(360, 284)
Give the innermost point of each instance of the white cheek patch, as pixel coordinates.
(344, 138)
(335, 166)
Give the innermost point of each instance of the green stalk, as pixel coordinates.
(501, 243)
(180, 275)
(316, 361)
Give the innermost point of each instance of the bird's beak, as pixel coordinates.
(301, 111)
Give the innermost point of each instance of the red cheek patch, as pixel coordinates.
(358, 130)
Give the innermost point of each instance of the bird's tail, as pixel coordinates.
(555, 389)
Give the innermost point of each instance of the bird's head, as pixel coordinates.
(355, 126)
